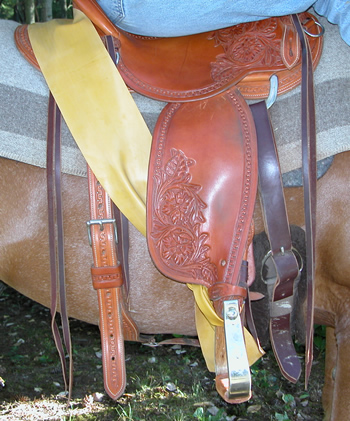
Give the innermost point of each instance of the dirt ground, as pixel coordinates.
(164, 383)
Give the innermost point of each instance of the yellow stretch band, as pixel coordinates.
(98, 109)
(207, 319)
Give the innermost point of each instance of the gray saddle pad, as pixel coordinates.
(24, 96)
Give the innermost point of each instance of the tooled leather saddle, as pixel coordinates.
(204, 172)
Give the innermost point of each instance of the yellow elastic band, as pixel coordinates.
(98, 108)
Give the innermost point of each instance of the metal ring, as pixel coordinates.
(300, 261)
(273, 91)
(264, 260)
(315, 35)
(117, 58)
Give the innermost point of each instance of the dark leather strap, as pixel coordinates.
(277, 228)
(308, 129)
(56, 242)
(131, 332)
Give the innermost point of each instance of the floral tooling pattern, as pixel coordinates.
(253, 44)
(177, 221)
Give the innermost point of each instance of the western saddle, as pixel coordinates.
(210, 154)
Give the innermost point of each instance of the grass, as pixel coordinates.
(163, 383)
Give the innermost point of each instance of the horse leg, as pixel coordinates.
(341, 402)
(332, 286)
(331, 360)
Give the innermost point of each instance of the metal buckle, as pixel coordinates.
(269, 255)
(101, 223)
(237, 359)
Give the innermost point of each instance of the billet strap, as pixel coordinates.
(96, 104)
(107, 279)
(56, 241)
(283, 258)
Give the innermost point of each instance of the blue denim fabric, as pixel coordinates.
(166, 18)
(113, 9)
(338, 12)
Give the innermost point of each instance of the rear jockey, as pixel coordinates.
(162, 18)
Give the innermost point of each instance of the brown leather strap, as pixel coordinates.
(277, 227)
(130, 329)
(107, 277)
(308, 130)
(56, 243)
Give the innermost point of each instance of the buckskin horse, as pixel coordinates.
(24, 239)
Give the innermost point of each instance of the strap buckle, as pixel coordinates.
(101, 223)
(237, 359)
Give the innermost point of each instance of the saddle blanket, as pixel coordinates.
(24, 98)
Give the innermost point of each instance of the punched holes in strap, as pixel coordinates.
(107, 277)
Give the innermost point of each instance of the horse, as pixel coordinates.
(24, 252)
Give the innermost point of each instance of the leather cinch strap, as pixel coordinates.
(107, 279)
